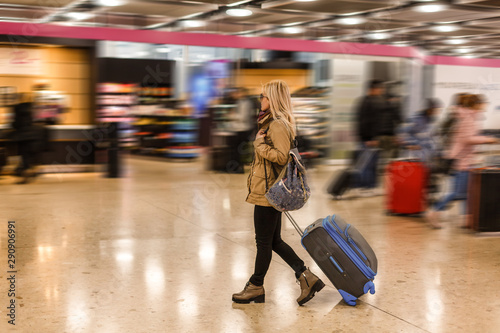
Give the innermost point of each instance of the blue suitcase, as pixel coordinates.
(343, 255)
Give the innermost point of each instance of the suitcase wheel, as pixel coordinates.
(369, 286)
(348, 298)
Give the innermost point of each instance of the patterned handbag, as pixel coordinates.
(290, 191)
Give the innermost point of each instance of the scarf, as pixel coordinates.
(263, 114)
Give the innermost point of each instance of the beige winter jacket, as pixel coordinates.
(274, 148)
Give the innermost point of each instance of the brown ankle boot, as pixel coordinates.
(309, 285)
(250, 293)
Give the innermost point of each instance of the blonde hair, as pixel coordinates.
(280, 103)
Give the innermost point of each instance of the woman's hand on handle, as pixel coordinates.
(260, 134)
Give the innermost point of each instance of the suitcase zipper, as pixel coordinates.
(353, 243)
(347, 249)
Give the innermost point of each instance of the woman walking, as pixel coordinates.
(464, 139)
(273, 141)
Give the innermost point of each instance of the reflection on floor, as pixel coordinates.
(163, 249)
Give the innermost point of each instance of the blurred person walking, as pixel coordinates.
(389, 122)
(27, 137)
(421, 139)
(464, 139)
(276, 126)
(446, 130)
(369, 113)
(243, 124)
(419, 135)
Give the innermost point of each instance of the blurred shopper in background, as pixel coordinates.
(419, 134)
(464, 138)
(369, 114)
(445, 133)
(446, 128)
(229, 95)
(421, 140)
(389, 122)
(28, 138)
(243, 124)
(272, 144)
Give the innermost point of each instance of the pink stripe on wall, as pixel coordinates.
(461, 61)
(23, 31)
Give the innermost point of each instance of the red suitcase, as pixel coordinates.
(406, 187)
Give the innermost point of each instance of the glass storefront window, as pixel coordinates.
(342, 77)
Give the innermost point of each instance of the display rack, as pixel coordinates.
(221, 115)
(312, 110)
(155, 95)
(166, 129)
(8, 96)
(116, 103)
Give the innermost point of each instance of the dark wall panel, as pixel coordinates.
(150, 73)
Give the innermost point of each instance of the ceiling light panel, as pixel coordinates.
(354, 20)
(446, 28)
(455, 41)
(292, 30)
(192, 23)
(379, 35)
(111, 3)
(222, 2)
(79, 16)
(464, 50)
(239, 12)
(430, 8)
(431, 33)
(401, 44)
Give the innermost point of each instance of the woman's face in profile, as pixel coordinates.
(264, 102)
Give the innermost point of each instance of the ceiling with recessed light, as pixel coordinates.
(442, 27)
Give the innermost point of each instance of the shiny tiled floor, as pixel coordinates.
(163, 249)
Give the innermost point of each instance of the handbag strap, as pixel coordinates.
(265, 173)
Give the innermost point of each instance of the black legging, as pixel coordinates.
(267, 222)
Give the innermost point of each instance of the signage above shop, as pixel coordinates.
(20, 61)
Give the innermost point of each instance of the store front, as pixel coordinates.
(325, 89)
(57, 76)
(171, 100)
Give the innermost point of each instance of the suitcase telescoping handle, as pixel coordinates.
(301, 233)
